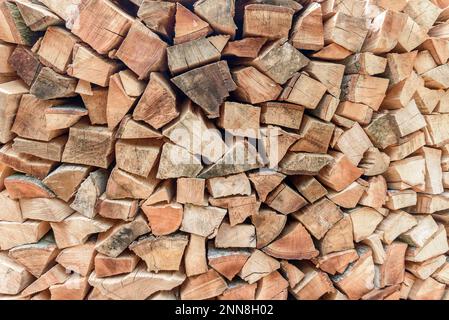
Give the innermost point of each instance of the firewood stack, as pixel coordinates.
(256, 149)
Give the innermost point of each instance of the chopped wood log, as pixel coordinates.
(195, 256)
(319, 217)
(30, 121)
(428, 289)
(111, 22)
(15, 276)
(237, 236)
(398, 175)
(309, 188)
(211, 284)
(315, 135)
(14, 29)
(10, 96)
(45, 209)
(123, 209)
(398, 199)
(10, 208)
(358, 279)
(161, 254)
(406, 146)
(88, 192)
(384, 32)
(375, 194)
(346, 31)
(62, 117)
(340, 173)
(393, 268)
(219, 187)
(252, 86)
(365, 63)
(106, 266)
(137, 156)
(132, 54)
(336, 262)
(227, 262)
(118, 102)
(65, 180)
(21, 186)
(395, 224)
(55, 275)
(189, 26)
(76, 229)
(314, 285)
(241, 156)
(349, 197)
(190, 55)
(86, 63)
(303, 90)
(96, 105)
(417, 236)
(79, 259)
(302, 163)
(215, 77)
(136, 285)
(340, 237)
(219, 15)
(19, 233)
(130, 129)
(308, 30)
(172, 156)
(193, 132)
(89, 145)
(257, 266)
(202, 221)
(434, 246)
(425, 269)
(248, 47)
(159, 16)
(56, 47)
(293, 243)
(117, 239)
(280, 61)
(269, 21)
(239, 291)
(239, 207)
(36, 16)
(272, 287)
(285, 200)
(38, 257)
(282, 114)
(25, 163)
(292, 273)
(269, 226)
(364, 89)
(49, 84)
(163, 219)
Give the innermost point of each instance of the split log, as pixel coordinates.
(202, 221)
(269, 21)
(10, 96)
(207, 86)
(21, 186)
(137, 285)
(106, 266)
(211, 284)
(79, 259)
(38, 257)
(161, 254)
(15, 277)
(319, 217)
(76, 229)
(237, 236)
(123, 209)
(20, 233)
(189, 26)
(257, 266)
(164, 219)
(117, 239)
(86, 62)
(195, 256)
(314, 285)
(45, 209)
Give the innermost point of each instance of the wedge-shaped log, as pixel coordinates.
(76, 229)
(176, 162)
(211, 284)
(162, 253)
(118, 238)
(137, 285)
(237, 236)
(202, 221)
(163, 219)
(294, 243)
(207, 86)
(89, 145)
(19, 233)
(10, 95)
(21, 186)
(106, 266)
(268, 21)
(15, 276)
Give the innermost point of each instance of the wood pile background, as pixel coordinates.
(256, 149)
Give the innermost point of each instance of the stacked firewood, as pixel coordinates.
(247, 149)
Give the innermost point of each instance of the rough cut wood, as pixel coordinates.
(250, 149)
